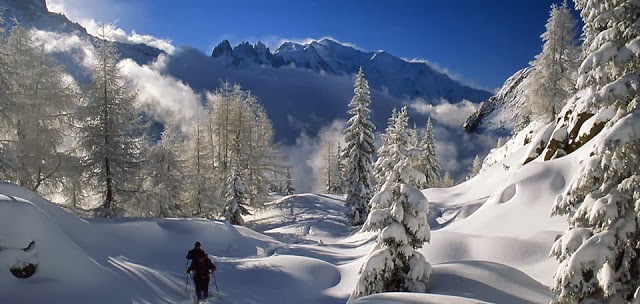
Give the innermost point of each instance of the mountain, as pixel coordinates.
(500, 113)
(35, 14)
(398, 77)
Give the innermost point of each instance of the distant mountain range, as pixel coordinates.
(396, 76)
(304, 87)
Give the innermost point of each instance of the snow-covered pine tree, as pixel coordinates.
(234, 207)
(288, 188)
(552, 80)
(428, 162)
(380, 169)
(599, 254)
(475, 167)
(359, 152)
(396, 134)
(399, 212)
(165, 175)
(414, 136)
(112, 136)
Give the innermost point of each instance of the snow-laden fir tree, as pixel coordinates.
(112, 136)
(379, 170)
(399, 213)
(427, 161)
(598, 254)
(475, 167)
(358, 153)
(552, 80)
(234, 207)
(165, 175)
(396, 135)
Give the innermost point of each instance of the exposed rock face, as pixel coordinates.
(501, 114)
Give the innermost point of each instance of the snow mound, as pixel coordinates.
(412, 298)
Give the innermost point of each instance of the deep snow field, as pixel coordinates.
(490, 242)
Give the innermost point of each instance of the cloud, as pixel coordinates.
(84, 12)
(450, 114)
(168, 99)
(114, 33)
(165, 97)
(307, 158)
(306, 108)
(80, 49)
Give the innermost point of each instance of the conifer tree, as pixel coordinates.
(359, 153)
(552, 80)
(428, 162)
(598, 254)
(399, 212)
(235, 199)
(112, 136)
(289, 189)
(475, 167)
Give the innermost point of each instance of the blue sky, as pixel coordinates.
(478, 42)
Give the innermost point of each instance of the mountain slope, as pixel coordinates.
(398, 77)
(500, 114)
(35, 14)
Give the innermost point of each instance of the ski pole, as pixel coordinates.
(216, 282)
(186, 277)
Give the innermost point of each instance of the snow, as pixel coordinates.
(483, 247)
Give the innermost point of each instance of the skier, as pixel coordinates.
(201, 266)
(193, 253)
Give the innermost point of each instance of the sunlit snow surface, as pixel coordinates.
(490, 242)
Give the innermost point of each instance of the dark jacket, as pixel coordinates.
(201, 269)
(193, 253)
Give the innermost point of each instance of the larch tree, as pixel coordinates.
(202, 189)
(552, 80)
(165, 175)
(399, 213)
(41, 102)
(112, 135)
(599, 253)
(358, 153)
(447, 181)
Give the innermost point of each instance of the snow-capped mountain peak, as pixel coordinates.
(401, 78)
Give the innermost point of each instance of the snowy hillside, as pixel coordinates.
(484, 248)
(501, 113)
(401, 78)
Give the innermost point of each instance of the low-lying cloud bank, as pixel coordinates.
(306, 107)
